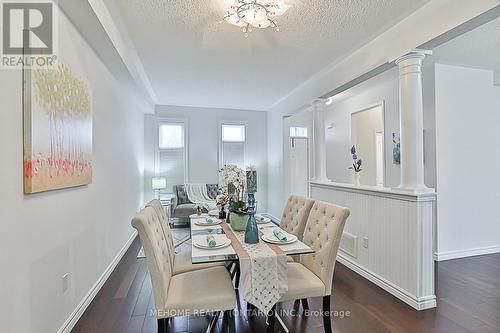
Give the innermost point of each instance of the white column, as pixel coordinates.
(319, 140)
(411, 120)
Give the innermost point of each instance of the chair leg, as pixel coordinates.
(305, 304)
(225, 320)
(270, 320)
(326, 315)
(162, 325)
(213, 321)
(237, 279)
(250, 310)
(232, 269)
(232, 322)
(229, 322)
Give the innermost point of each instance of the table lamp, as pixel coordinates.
(158, 184)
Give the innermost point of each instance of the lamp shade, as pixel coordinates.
(159, 183)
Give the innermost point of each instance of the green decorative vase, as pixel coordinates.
(238, 221)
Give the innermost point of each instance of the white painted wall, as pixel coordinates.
(468, 160)
(77, 231)
(203, 131)
(381, 89)
(398, 40)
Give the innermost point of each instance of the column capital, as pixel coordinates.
(415, 54)
(319, 102)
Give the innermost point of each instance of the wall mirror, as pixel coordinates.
(367, 134)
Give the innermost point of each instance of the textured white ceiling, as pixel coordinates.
(193, 60)
(479, 48)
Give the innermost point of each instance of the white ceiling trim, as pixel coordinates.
(425, 24)
(124, 46)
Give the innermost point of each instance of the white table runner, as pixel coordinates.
(263, 273)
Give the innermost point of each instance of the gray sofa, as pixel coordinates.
(182, 208)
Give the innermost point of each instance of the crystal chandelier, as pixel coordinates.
(249, 14)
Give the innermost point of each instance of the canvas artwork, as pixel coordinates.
(396, 149)
(57, 129)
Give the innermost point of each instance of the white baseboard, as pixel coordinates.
(441, 256)
(82, 306)
(418, 303)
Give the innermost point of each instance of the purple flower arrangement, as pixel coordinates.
(356, 163)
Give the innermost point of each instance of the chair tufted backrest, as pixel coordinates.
(157, 253)
(295, 215)
(323, 232)
(167, 232)
(213, 191)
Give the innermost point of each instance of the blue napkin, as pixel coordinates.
(211, 241)
(280, 235)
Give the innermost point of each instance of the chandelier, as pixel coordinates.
(249, 14)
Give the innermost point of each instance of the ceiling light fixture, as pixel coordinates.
(248, 14)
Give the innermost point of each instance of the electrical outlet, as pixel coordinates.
(365, 242)
(65, 282)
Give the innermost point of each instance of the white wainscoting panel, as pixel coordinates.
(399, 229)
(349, 244)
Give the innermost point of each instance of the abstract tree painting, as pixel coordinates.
(57, 129)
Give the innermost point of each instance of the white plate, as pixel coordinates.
(264, 221)
(270, 238)
(202, 244)
(203, 222)
(214, 212)
(196, 216)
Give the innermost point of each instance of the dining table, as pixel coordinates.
(228, 254)
(205, 256)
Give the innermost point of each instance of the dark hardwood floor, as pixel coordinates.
(468, 292)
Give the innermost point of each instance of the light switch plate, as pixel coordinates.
(365, 242)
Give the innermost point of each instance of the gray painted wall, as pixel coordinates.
(203, 129)
(79, 230)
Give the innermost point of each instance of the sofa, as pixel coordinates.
(182, 208)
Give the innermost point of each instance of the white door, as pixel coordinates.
(299, 166)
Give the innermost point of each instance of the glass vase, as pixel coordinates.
(251, 232)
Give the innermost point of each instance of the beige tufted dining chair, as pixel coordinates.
(313, 275)
(295, 215)
(181, 262)
(191, 293)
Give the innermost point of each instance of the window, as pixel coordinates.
(233, 133)
(232, 145)
(298, 132)
(171, 136)
(171, 155)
